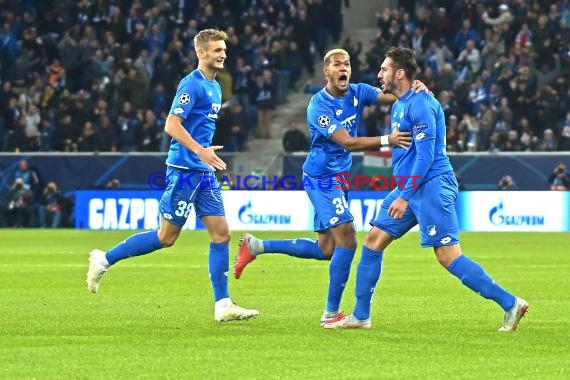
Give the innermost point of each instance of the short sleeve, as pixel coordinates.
(323, 120)
(184, 99)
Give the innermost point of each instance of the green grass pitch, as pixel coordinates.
(153, 315)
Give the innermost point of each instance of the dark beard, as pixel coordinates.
(391, 89)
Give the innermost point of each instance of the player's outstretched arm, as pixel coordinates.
(342, 138)
(208, 155)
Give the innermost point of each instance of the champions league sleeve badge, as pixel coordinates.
(184, 98)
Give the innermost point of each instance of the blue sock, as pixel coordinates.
(339, 270)
(475, 278)
(302, 248)
(218, 266)
(367, 276)
(135, 245)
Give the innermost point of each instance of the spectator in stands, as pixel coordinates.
(106, 135)
(129, 125)
(51, 207)
(150, 133)
(564, 140)
(548, 142)
(495, 144)
(559, 179)
(469, 125)
(454, 137)
(529, 142)
(87, 141)
(512, 144)
(470, 58)
(507, 183)
(502, 22)
(487, 117)
(264, 104)
(294, 140)
(237, 123)
(465, 34)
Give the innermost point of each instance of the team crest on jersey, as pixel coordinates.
(184, 98)
(355, 101)
(214, 111)
(324, 121)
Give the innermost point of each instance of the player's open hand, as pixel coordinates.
(209, 157)
(418, 86)
(398, 208)
(401, 139)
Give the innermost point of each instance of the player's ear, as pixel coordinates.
(200, 51)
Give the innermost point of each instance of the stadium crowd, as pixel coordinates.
(501, 70)
(99, 75)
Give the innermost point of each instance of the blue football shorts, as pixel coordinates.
(432, 207)
(187, 189)
(329, 201)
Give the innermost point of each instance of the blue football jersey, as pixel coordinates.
(198, 101)
(325, 115)
(422, 116)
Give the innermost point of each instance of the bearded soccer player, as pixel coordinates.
(191, 180)
(333, 115)
(430, 202)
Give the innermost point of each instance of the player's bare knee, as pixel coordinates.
(345, 236)
(349, 242)
(377, 239)
(328, 254)
(221, 237)
(167, 240)
(447, 254)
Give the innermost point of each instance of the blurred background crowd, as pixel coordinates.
(500, 69)
(99, 75)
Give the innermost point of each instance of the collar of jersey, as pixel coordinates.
(203, 76)
(406, 95)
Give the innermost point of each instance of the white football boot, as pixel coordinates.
(513, 317)
(96, 269)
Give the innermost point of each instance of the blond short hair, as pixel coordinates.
(207, 35)
(332, 52)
